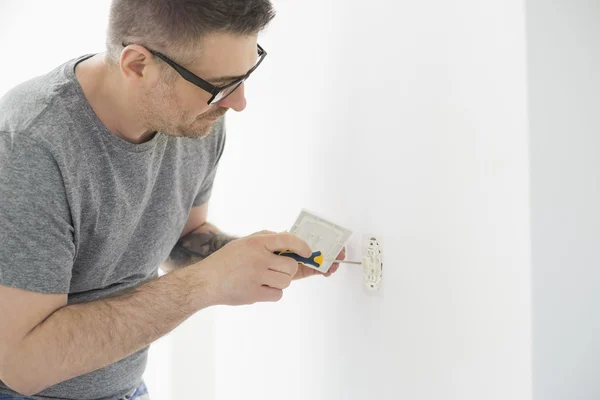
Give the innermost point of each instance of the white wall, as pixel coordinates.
(564, 87)
(404, 119)
(408, 120)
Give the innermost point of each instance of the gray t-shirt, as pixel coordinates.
(87, 213)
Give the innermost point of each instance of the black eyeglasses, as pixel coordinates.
(218, 92)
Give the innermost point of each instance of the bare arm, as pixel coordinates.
(77, 339)
(198, 240)
(196, 246)
(43, 341)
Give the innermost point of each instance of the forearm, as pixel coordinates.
(81, 338)
(196, 246)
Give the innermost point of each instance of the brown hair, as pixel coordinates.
(176, 26)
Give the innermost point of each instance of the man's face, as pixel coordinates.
(179, 107)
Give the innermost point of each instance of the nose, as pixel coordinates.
(236, 100)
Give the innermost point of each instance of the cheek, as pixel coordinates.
(191, 99)
(192, 107)
(163, 99)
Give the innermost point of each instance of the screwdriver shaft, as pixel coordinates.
(347, 262)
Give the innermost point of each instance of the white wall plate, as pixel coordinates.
(372, 262)
(321, 235)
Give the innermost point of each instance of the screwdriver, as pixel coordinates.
(316, 258)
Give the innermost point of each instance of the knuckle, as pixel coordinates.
(253, 241)
(256, 244)
(286, 237)
(292, 240)
(280, 241)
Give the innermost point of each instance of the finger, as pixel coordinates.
(339, 258)
(285, 265)
(276, 280)
(270, 294)
(332, 270)
(305, 271)
(263, 232)
(287, 241)
(342, 255)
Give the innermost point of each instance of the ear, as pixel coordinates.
(137, 63)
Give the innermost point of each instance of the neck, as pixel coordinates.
(104, 89)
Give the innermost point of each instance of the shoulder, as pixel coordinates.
(36, 107)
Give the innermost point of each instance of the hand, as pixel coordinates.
(305, 272)
(246, 271)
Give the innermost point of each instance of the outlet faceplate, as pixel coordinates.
(321, 235)
(372, 262)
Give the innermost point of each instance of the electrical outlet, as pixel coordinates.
(372, 262)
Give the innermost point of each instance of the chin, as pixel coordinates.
(198, 134)
(197, 131)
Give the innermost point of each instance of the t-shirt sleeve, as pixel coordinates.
(206, 187)
(37, 246)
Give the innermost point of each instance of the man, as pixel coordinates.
(106, 169)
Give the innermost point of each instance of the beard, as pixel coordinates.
(161, 112)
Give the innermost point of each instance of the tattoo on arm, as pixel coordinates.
(196, 246)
